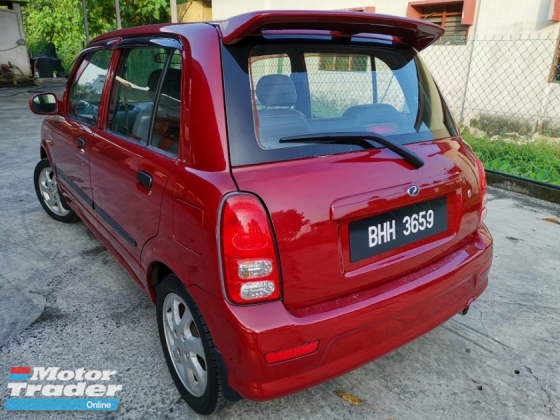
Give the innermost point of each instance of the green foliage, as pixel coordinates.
(61, 22)
(538, 160)
(140, 63)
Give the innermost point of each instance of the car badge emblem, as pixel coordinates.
(413, 190)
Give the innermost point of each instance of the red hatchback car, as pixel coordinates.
(288, 187)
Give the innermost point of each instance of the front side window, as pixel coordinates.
(146, 97)
(85, 92)
(313, 90)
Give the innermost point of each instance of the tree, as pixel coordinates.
(61, 22)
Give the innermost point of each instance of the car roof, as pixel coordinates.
(417, 33)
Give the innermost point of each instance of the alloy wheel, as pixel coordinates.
(185, 345)
(50, 193)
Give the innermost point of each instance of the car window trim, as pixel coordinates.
(144, 41)
(163, 152)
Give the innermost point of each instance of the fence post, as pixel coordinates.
(472, 42)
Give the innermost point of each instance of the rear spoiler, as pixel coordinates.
(417, 33)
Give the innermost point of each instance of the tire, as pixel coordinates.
(189, 352)
(49, 194)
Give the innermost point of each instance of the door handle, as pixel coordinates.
(81, 145)
(144, 178)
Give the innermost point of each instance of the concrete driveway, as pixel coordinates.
(65, 302)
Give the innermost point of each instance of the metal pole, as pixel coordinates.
(173, 11)
(469, 69)
(118, 12)
(84, 11)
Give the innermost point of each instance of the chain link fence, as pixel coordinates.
(505, 95)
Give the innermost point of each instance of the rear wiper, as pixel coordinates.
(353, 137)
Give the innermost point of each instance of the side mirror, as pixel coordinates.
(44, 104)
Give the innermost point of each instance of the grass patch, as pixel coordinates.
(538, 160)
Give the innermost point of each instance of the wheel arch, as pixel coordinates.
(156, 273)
(46, 151)
(161, 256)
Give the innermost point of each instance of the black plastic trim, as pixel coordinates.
(99, 210)
(536, 189)
(229, 393)
(116, 226)
(150, 41)
(144, 178)
(527, 180)
(76, 188)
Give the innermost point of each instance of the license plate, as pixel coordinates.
(388, 231)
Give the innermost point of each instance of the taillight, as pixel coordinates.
(483, 196)
(250, 266)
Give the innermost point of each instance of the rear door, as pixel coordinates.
(133, 155)
(74, 132)
(348, 216)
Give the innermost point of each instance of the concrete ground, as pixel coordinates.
(66, 302)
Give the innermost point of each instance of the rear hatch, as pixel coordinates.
(341, 221)
(336, 125)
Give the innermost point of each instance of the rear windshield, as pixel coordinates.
(279, 89)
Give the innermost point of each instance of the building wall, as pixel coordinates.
(222, 9)
(494, 17)
(193, 11)
(11, 31)
(502, 70)
(515, 18)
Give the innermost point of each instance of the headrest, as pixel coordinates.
(153, 80)
(276, 90)
(171, 83)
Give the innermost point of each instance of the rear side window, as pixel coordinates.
(146, 97)
(281, 91)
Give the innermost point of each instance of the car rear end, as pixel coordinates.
(358, 225)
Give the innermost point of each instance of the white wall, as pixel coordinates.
(11, 31)
(497, 17)
(222, 9)
(515, 18)
(486, 76)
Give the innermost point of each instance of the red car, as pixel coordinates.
(288, 187)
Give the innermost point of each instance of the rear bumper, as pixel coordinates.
(349, 336)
